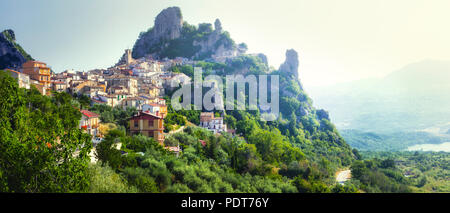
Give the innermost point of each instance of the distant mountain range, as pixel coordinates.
(414, 98)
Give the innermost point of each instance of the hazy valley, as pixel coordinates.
(409, 106)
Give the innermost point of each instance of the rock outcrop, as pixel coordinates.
(291, 63)
(168, 26)
(11, 54)
(292, 87)
(322, 114)
(218, 26)
(263, 58)
(216, 44)
(171, 37)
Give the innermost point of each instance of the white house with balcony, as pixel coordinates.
(214, 124)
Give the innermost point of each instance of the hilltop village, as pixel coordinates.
(141, 78)
(131, 83)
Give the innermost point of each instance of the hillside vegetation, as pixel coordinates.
(42, 149)
(421, 171)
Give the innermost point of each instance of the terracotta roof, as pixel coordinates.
(113, 95)
(89, 114)
(148, 113)
(116, 76)
(38, 62)
(60, 77)
(158, 105)
(134, 98)
(11, 70)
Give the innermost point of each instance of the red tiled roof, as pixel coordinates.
(89, 114)
(37, 62)
(148, 113)
(17, 72)
(12, 70)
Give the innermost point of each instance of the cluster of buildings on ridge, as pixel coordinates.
(138, 83)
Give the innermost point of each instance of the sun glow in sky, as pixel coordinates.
(337, 41)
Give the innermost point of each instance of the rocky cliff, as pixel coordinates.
(11, 54)
(168, 25)
(290, 69)
(291, 63)
(263, 58)
(292, 90)
(172, 37)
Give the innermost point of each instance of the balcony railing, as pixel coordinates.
(44, 71)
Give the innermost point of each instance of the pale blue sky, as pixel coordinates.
(337, 40)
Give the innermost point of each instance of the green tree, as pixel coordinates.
(106, 150)
(42, 148)
(104, 180)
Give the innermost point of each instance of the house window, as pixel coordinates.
(136, 124)
(150, 123)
